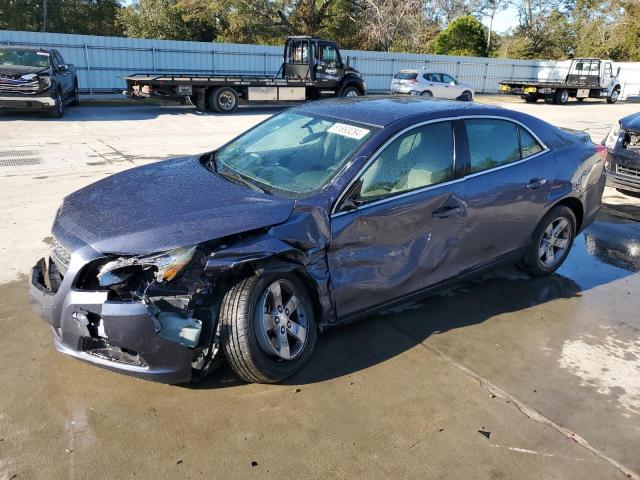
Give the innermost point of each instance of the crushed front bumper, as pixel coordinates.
(623, 170)
(118, 336)
(26, 102)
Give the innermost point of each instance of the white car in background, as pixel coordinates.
(430, 84)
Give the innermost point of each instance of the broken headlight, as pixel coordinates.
(167, 265)
(613, 136)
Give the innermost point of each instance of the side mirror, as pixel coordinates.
(618, 72)
(453, 83)
(351, 202)
(63, 68)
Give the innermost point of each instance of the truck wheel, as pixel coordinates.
(268, 327)
(529, 98)
(550, 242)
(223, 100)
(613, 98)
(562, 96)
(350, 91)
(58, 109)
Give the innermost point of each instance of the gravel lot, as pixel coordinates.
(503, 377)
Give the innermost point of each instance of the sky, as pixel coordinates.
(504, 20)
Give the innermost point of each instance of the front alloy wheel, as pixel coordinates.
(268, 327)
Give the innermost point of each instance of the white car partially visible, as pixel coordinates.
(430, 84)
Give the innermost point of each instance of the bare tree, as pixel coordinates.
(490, 8)
(449, 10)
(387, 19)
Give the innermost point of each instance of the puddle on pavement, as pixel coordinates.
(608, 250)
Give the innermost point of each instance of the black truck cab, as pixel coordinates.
(311, 68)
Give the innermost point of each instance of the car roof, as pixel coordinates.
(383, 110)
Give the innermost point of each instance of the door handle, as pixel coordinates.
(536, 183)
(445, 212)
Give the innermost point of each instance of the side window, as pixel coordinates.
(419, 158)
(436, 77)
(447, 79)
(608, 70)
(329, 55)
(492, 143)
(298, 52)
(58, 58)
(528, 145)
(54, 60)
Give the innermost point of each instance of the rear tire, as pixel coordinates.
(258, 353)
(530, 98)
(426, 93)
(550, 243)
(223, 100)
(562, 96)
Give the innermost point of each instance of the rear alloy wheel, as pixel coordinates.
(350, 92)
(613, 98)
(562, 96)
(268, 327)
(58, 109)
(551, 242)
(426, 93)
(223, 100)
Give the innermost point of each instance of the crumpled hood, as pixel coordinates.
(165, 205)
(19, 70)
(631, 122)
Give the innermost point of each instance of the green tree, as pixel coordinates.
(90, 17)
(464, 36)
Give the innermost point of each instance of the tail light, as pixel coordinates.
(413, 81)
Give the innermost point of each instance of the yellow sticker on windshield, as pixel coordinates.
(348, 131)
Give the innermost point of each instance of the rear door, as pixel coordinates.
(509, 173)
(399, 226)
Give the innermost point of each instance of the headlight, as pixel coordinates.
(167, 264)
(45, 82)
(612, 138)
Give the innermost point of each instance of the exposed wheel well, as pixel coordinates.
(353, 84)
(576, 206)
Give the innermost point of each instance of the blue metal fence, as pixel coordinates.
(102, 61)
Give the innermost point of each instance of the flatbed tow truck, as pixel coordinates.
(587, 78)
(311, 68)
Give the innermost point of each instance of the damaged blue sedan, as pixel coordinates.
(322, 214)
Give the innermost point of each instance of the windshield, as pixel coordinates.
(291, 152)
(24, 58)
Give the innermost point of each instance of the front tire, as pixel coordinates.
(58, 109)
(613, 98)
(529, 98)
(268, 327)
(551, 242)
(350, 91)
(466, 96)
(75, 99)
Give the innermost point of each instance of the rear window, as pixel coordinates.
(406, 75)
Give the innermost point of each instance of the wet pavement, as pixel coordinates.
(502, 377)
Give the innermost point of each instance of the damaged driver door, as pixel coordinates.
(398, 226)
